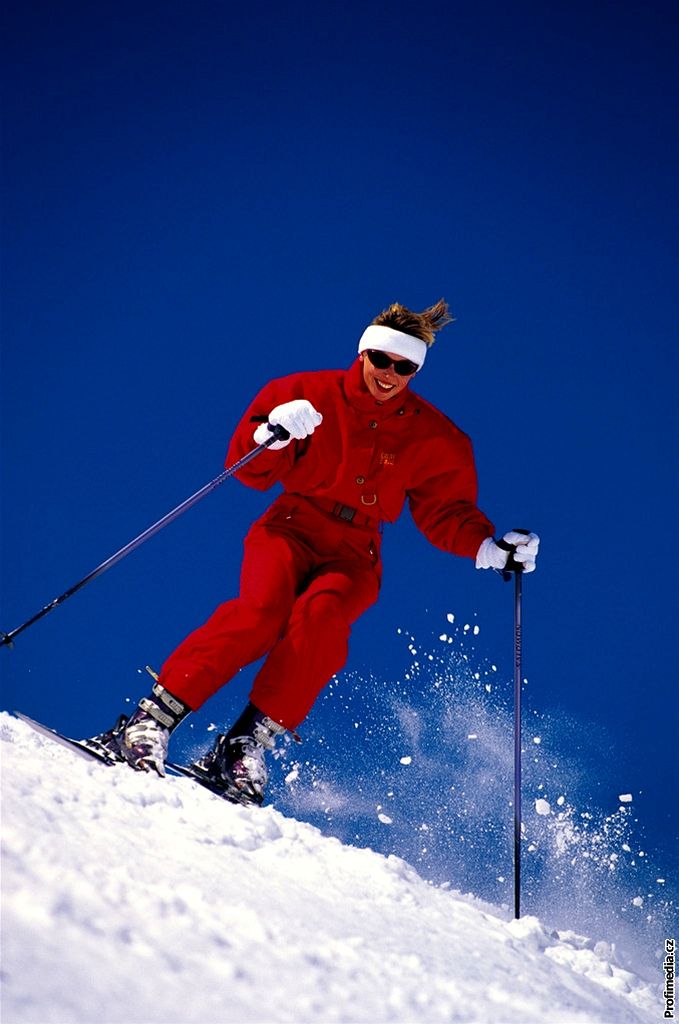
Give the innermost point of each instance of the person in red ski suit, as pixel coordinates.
(361, 444)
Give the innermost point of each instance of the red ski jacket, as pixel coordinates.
(371, 456)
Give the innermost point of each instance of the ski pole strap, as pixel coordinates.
(511, 565)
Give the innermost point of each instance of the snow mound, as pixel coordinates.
(128, 898)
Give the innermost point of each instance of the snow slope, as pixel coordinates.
(132, 899)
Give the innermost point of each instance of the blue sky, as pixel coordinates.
(198, 198)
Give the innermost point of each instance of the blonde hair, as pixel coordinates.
(422, 325)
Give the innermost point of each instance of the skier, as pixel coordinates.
(360, 442)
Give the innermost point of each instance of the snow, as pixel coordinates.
(128, 898)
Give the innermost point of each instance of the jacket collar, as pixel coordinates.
(358, 395)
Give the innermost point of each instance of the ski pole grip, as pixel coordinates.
(511, 564)
(278, 433)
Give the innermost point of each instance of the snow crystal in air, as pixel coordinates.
(542, 807)
(625, 798)
(450, 617)
(406, 760)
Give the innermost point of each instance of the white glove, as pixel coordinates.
(490, 556)
(298, 417)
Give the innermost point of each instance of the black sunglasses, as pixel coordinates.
(381, 361)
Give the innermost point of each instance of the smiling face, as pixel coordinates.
(384, 384)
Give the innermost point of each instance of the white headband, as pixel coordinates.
(386, 339)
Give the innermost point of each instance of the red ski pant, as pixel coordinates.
(306, 577)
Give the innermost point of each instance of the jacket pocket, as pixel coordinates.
(283, 510)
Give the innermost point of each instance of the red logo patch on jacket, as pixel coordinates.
(387, 459)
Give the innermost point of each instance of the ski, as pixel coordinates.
(88, 749)
(233, 795)
(82, 747)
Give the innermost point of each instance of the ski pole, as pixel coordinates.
(515, 569)
(518, 574)
(279, 434)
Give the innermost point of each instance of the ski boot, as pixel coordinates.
(236, 764)
(106, 744)
(142, 739)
